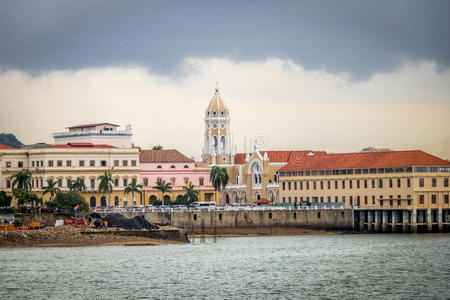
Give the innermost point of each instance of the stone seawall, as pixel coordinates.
(207, 221)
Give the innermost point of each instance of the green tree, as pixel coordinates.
(133, 187)
(106, 184)
(51, 188)
(22, 195)
(219, 179)
(22, 180)
(164, 187)
(68, 200)
(5, 200)
(77, 185)
(191, 194)
(157, 147)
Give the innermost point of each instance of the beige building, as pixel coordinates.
(411, 182)
(63, 163)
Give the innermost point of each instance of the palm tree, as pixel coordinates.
(164, 187)
(22, 180)
(51, 188)
(105, 186)
(191, 194)
(219, 178)
(77, 185)
(133, 187)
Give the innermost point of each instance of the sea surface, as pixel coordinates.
(289, 267)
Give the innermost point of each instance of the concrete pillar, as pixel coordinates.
(384, 220)
(362, 220)
(405, 221)
(377, 221)
(414, 221)
(440, 222)
(429, 225)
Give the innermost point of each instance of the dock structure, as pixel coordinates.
(402, 220)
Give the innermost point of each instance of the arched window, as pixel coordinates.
(214, 113)
(172, 167)
(116, 200)
(159, 167)
(237, 179)
(152, 199)
(186, 167)
(236, 198)
(258, 196)
(207, 113)
(93, 202)
(103, 201)
(221, 113)
(222, 142)
(215, 143)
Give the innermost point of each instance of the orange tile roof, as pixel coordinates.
(6, 147)
(277, 156)
(365, 160)
(163, 156)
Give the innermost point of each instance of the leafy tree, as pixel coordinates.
(106, 184)
(22, 180)
(5, 200)
(191, 194)
(133, 187)
(68, 200)
(77, 185)
(51, 188)
(22, 195)
(164, 187)
(219, 179)
(157, 147)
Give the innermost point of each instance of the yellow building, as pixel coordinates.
(388, 187)
(63, 163)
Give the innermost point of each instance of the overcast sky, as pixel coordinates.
(328, 75)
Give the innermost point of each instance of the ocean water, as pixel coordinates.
(290, 267)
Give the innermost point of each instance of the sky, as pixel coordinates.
(322, 75)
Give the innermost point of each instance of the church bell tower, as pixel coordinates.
(217, 147)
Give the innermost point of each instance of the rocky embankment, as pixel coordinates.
(70, 236)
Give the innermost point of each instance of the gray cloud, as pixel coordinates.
(357, 37)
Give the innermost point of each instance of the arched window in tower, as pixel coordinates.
(221, 113)
(237, 179)
(222, 143)
(256, 170)
(216, 143)
(214, 113)
(275, 177)
(207, 114)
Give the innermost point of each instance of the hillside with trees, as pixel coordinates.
(10, 139)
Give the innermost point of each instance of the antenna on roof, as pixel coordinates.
(217, 88)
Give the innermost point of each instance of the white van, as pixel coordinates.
(204, 205)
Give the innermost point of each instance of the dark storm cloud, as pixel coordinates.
(359, 37)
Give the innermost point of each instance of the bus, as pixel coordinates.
(203, 205)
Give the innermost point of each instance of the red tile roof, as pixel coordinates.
(277, 156)
(365, 160)
(91, 125)
(163, 156)
(6, 147)
(81, 145)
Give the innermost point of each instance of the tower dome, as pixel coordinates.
(217, 138)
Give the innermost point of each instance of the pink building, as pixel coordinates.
(174, 167)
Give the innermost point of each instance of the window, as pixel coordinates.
(186, 167)
(329, 199)
(446, 198)
(50, 163)
(321, 185)
(336, 199)
(125, 182)
(159, 167)
(329, 184)
(380, 183)
(373, 200)
(399, 182)
(301, 185)
(68, 163)
(358, 184)
(59, 182)
(421, 182)
(116, 163)
(145, 181)
(20, 164)
(8, 164)
(365, 183)
(103, 163)
(116, 182)
(307, 185)
(390, 182)
(314, 184)
(295, 185)
(408, 182)
(433, 198)
(350, 183)
(343, 199)
(125, 163)
(200, 182)
(365, 200)
(421, 199)
(32, 163)
(172, 167)
(343, 184)
(445, 182)
(92, 163)
(92, 183)
(59, 163)
(284, 186)
(433, 182)
(133, 163)
(81, 163)
(373, 183)
(8, 183)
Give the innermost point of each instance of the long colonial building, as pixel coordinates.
(387, 185)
